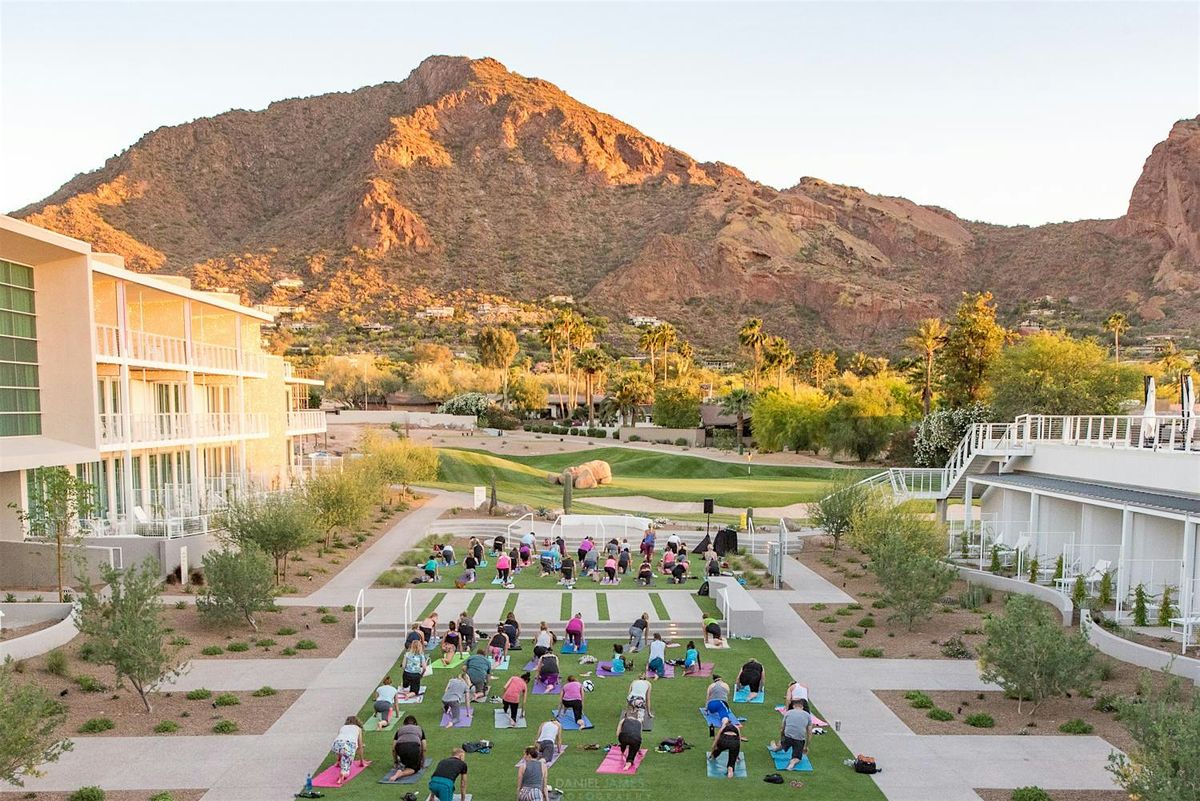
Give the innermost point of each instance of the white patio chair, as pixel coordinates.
(1096, 574)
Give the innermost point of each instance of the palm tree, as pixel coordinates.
(551, 336)
(738, 402)
(579, 336)
(629, 390)
(778, 356)
(928, 338)
(648, 343)
(752, 336)
(592, 363)
(822, 367)
(1171, 360)
(1117, 324)
(666, 337)
(686, 358)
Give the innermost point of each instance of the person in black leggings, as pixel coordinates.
(751, 677)
(729, 740)
(629, 738)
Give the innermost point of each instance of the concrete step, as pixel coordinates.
(608, 630)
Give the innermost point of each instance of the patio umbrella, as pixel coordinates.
(1187, 406)
(1149, 421)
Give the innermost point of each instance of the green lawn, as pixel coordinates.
(531, 579)
(492, 776)
(522, 479)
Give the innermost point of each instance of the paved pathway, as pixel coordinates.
(644, 503)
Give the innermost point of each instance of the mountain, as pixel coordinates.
(466, 176)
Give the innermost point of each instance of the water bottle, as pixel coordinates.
(308, 788)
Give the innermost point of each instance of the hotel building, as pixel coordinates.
(158, 394)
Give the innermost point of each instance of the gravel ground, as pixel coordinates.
(1060, 795)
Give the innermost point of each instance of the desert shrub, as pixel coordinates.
(90, 793)
(180, 642)
(1076, 726)
(264, 691)
(237, 647)
(955, 648)
(96, 725)
(866, 623)
(827, 619)
(348, 608)
(56, 663)
(163, 796)
(843, 612)
(981, 720)
(329, 619)
(872, 653)
(847, 644)
(286, 631)
(166, 727)
(225, 727)
(89, 684)
(817, 607)
(226, 699)
(266, 642)
(937, 713)
(199, 694)
(879, 604)
(853, 633)
(306, 645)
(974, 596)
(212, 650)
(1030, 794)
(288, 652)
(918, 700)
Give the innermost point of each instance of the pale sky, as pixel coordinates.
(1005, 112)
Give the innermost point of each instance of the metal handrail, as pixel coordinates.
(360, 605)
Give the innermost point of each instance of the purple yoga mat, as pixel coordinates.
(464, 718)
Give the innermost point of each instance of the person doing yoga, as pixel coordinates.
(441, 783)
(531, 776)
(752, 676)
(728, 739)
(629, 738)
(572, 699)
(547, 669)
(408, 749)
(347, 745)
(515, 696)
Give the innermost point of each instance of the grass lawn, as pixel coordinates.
(522, 479)
(531, 579)
(675, 701)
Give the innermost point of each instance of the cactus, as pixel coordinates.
(1140, 617)
(1033, 571)
(492, 499)
(568, 487)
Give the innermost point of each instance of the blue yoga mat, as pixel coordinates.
(717, 767)
(782, 758)
(713, 719)
(741, 695)
(570, 649)
(568, 721)
(407, 779)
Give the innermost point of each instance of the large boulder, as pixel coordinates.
(588, 475)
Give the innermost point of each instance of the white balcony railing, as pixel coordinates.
(306, 421)
(179, 426)
(1160, 433)
(108, 341)
(147, 347)
(254, 361)
(217, 357)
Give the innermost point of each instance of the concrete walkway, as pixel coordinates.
(654, 506)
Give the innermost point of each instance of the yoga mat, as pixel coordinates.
(567, 719)
(713, 719)
(817, 722)
(715, 647)
(329, 776)
(406, 779)
(501, 665)
(614, 762)
(502, 719)
(604, 671)
(541, 689)
(741, 695)
(416, 699)
(571, 649)
(531, 664)
(373, 722)
(455, 661)
(717, 767)
(782, 758)
(549, 762)
(703, 670)
(464, 718)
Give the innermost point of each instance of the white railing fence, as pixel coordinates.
(511, 531)
(1161, 432)
(1154, 575)
(360, 609)
(723, 605)
(407, 609)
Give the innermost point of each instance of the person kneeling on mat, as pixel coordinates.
(656, 668)
(712, 632)
(408, 749)
(549, 739)
(479, 671)
(729, 740)
(629, 737)
(347, 745)
(572, 699)
(441, 783)
(457, 695)
(547, 669)
(752, 677)
(795, 735)
(717, 702)
(385, 700)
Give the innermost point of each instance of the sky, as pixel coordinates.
(1014, 113)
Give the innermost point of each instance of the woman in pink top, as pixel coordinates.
(575, 630)
(584, 547)
(610, 570)
(572, 699)
(516, 692)
(503, 567)
(668, 561)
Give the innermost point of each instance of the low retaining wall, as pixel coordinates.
(414, 419)
(39, 642)
(1137, 654)
(32, 565)
(694, 436)
(1043, 593)
(744, 617)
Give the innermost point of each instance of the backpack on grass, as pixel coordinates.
(865, 764)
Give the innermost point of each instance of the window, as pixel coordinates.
(20, 399)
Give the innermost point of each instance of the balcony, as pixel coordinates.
(300, 375)
(117, 431)
(306, 421)
(159, 349)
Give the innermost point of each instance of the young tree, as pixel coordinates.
(526, 394)
(497, 349)
(676, 406)
(1164, 764)
(630, 390)
(1117, 324)
(29, 719)
(401, 462)
(126, 629)
(912, 580)
(1031, 656)
(240, 584)
(868, 412)
(278, 524)
(836, 512)
(928, 338)
(737, 402)
(821, 366)
(785, 420)
(972, 346)
(1052, 373)
(61, 501)
(340, 499)
(592, 363)
(877, 517)
(351, 379)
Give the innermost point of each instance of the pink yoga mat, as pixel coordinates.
(704, 670)
(614, 762)
(329, 776)
(464, 718)
(820, 724)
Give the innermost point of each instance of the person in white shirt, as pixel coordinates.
(346, 746)
(674, 541)
(549, 740)
(544, 643)
(796, 692)
(656, 668)
(385, 700)
(639, 695)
